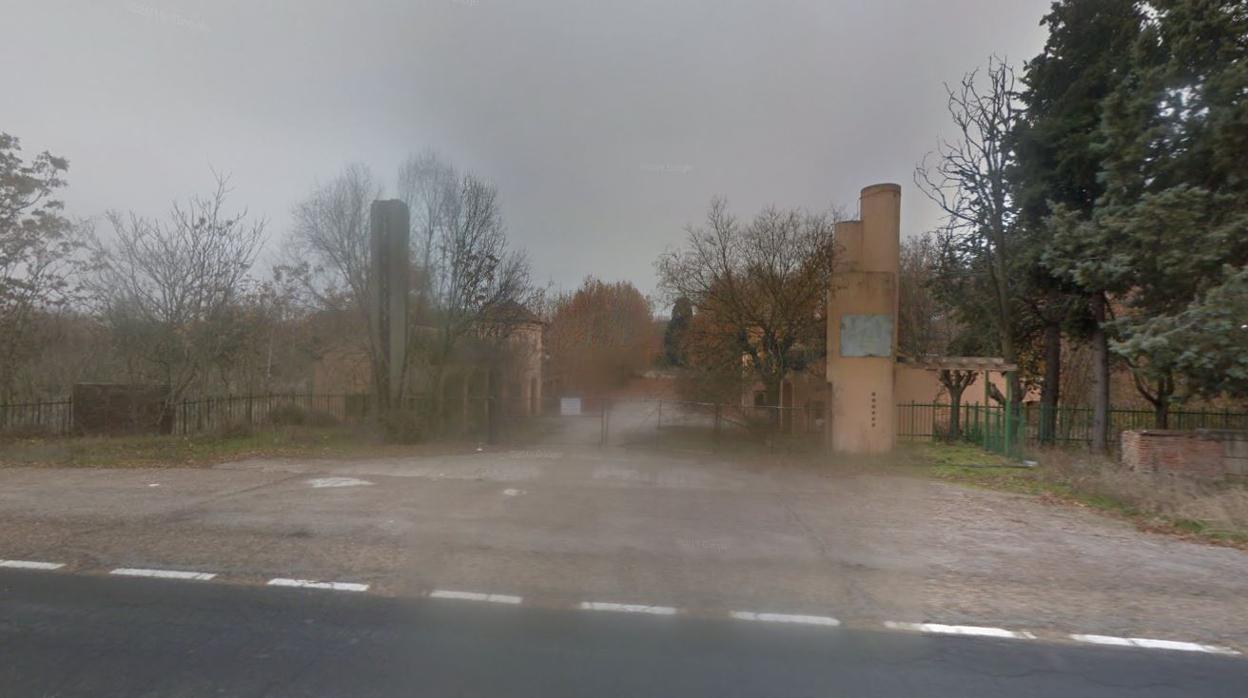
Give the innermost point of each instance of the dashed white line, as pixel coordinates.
(163, 574)
(968, 630)
(313, 584)
(785, 618)
(1148, 643)
(627, 608)
(31, 565)
(927, 628)
(474, 596)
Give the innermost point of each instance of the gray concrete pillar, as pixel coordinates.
(390, 278)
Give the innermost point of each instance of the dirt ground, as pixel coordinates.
(561, 523)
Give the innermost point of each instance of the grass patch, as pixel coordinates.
(203, 449)
(1213, 512)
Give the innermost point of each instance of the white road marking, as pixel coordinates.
(163, 574)
(473, 596)
(31, 565)
(968, 630)
(319, 482)
(627, 608)
(512, 492)
(1152, 644)
(313, 584)
(785, 618)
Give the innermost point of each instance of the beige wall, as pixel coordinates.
(923, 386)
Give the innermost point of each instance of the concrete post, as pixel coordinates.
(390, 277)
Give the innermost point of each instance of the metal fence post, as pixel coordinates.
(1009, 415)
(718, 410)
(602, 430)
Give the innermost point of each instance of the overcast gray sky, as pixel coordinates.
(606, 126)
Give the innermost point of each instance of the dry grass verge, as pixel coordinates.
(149, 451)
(1213, 512)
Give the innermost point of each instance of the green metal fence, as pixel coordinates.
(1007, 431)
(994, 428)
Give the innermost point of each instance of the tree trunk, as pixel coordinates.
(1005, 321)
(1049, 391)
(1100, 377)
(1161, 407)
(1161, 414)
(771, 387)
(955, 412)
(956, 382)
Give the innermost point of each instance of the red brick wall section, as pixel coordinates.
(1201, 453)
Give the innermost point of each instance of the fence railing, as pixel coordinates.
(56, 417)
(215, 413)
(52, 417)
(992, 427)
(1005, 431)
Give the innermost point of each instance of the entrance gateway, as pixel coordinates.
(867, 377)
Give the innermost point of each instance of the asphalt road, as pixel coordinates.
(72, 635)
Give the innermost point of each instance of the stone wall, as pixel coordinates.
(1205, 453)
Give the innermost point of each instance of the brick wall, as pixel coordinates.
(1205, 453)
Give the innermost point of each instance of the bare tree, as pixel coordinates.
(329, 246)
(956, 382)
(757, 289)
(427, 184)
(458, 233)
(476, 280)
(465, 275)
(329, 253)
(170, 290)
(925, 324)
(36, 248)
(474, 273)
(967, 178)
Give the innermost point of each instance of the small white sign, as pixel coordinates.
(570, 406)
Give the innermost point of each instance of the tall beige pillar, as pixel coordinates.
(862, 325)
